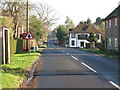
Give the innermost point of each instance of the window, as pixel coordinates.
(82, 36)
(115, 21)
(78, 36)
(109, 23)
(106, 24)
(98, 36)
(73, 42)
(72, 35)
(116, 42)
(110, 41)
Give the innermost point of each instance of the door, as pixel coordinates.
(82, 44)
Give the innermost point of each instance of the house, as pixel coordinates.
(112, 29)
(78, 36)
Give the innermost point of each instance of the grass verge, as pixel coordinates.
(14, 73)
(106, 53)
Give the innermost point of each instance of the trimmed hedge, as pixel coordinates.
(19, 45)
(16, 45)
(12, 45)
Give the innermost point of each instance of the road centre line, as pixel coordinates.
(74, 57)
(67, 53)
(114, 84)
(89, 67)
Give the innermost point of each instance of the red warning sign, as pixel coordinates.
(27, 36)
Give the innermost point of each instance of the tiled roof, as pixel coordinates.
(115, 13)
(84, 28)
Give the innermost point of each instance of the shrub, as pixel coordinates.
(102, 46)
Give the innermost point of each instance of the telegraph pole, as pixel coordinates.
(27, 26)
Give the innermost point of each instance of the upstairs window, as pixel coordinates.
(72, 35)
(106, 24)
(82, 36)
(115, 21)
(109, 23)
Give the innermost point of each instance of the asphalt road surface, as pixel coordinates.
(73, 68)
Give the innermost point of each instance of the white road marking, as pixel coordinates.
(63, 50)
(67, 53)
(114, 84)
(89, 67)
(74, 57)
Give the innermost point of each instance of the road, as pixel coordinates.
(73, 68)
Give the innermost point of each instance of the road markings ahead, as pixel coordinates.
(74, 57)
(89, 67)
(114, 84)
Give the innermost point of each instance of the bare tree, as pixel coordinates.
(15, 9)
(46, 14)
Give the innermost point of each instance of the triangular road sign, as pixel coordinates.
(29, 36)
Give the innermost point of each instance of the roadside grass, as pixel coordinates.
(14, 73)
(106, 53)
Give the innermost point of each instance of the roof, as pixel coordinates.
(84, 28)
(115, 13)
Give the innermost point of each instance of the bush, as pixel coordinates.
(102, 46)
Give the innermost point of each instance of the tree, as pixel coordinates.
(61, 31)
(93, 40)
(69, 23)
(88, 21)
(98, 21)
(46, 14)
(16, 10)
(7, 22)
(36, 27)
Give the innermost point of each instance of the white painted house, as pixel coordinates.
(78, 36)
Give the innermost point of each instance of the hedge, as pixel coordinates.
(16, 45)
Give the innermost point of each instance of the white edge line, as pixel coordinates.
(74, 57)
(114, 84)
(89, 67)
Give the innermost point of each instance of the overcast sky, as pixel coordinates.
(79, 10)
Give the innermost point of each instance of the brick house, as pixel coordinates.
(78, 36)
(112, 29)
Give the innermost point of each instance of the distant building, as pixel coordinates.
(112, 30)
(78, 36)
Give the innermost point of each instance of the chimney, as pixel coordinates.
(118, 3)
